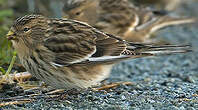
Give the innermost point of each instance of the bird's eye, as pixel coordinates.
(78, 13)
(26, 29)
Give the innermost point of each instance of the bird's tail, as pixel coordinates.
(170, 21)
(142, 50)
(162, 22)
(139, 50)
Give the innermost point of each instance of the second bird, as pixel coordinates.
(121, 18)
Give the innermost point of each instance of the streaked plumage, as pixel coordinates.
(70, 54)
(121, 18)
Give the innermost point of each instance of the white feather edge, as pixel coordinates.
(148, 23)
(134, 24)
(104, 58)
(75, 61)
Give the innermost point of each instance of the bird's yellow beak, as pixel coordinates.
(66, 16)
(10, 35)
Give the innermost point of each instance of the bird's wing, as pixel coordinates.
(74, 42)
(117, 13)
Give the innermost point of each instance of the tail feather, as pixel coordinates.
(152, 50)
(162, 22)
(139, 50)
(170, 21)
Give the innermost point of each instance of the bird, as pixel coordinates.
(70, 54)
(122, 18)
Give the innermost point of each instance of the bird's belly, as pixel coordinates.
(79, 77)
(83, 78)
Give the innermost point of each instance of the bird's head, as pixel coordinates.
(27, 33)
(27, 30)
(82, 10)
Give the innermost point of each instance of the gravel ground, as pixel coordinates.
(168, 82)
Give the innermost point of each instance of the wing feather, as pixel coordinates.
(82, 44)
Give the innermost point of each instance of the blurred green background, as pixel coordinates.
(12, 9)
(5, 22)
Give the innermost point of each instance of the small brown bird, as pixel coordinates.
(121, 18)
(70, 54)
